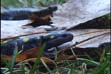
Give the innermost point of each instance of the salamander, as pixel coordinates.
(52, 39)
(38, 18)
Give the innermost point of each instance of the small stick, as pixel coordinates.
(89, 33)
(22, 35)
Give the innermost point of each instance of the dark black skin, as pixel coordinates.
(38, 18)
(16, 15)
(53, 39)
(42, 17)
(45, 12)
(26, 14)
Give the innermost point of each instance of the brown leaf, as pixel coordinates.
(75, 12)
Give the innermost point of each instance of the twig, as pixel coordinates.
(40, 33)
(22, 35)
(88, 33)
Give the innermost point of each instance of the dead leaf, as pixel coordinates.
(15, 28)
(74, 12)
(83, 34)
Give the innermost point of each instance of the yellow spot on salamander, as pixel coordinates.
(25, 40)
(52, 37)
(3, 42)
(38, 37)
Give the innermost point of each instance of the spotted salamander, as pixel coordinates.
(52, 39)
(26, 14)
